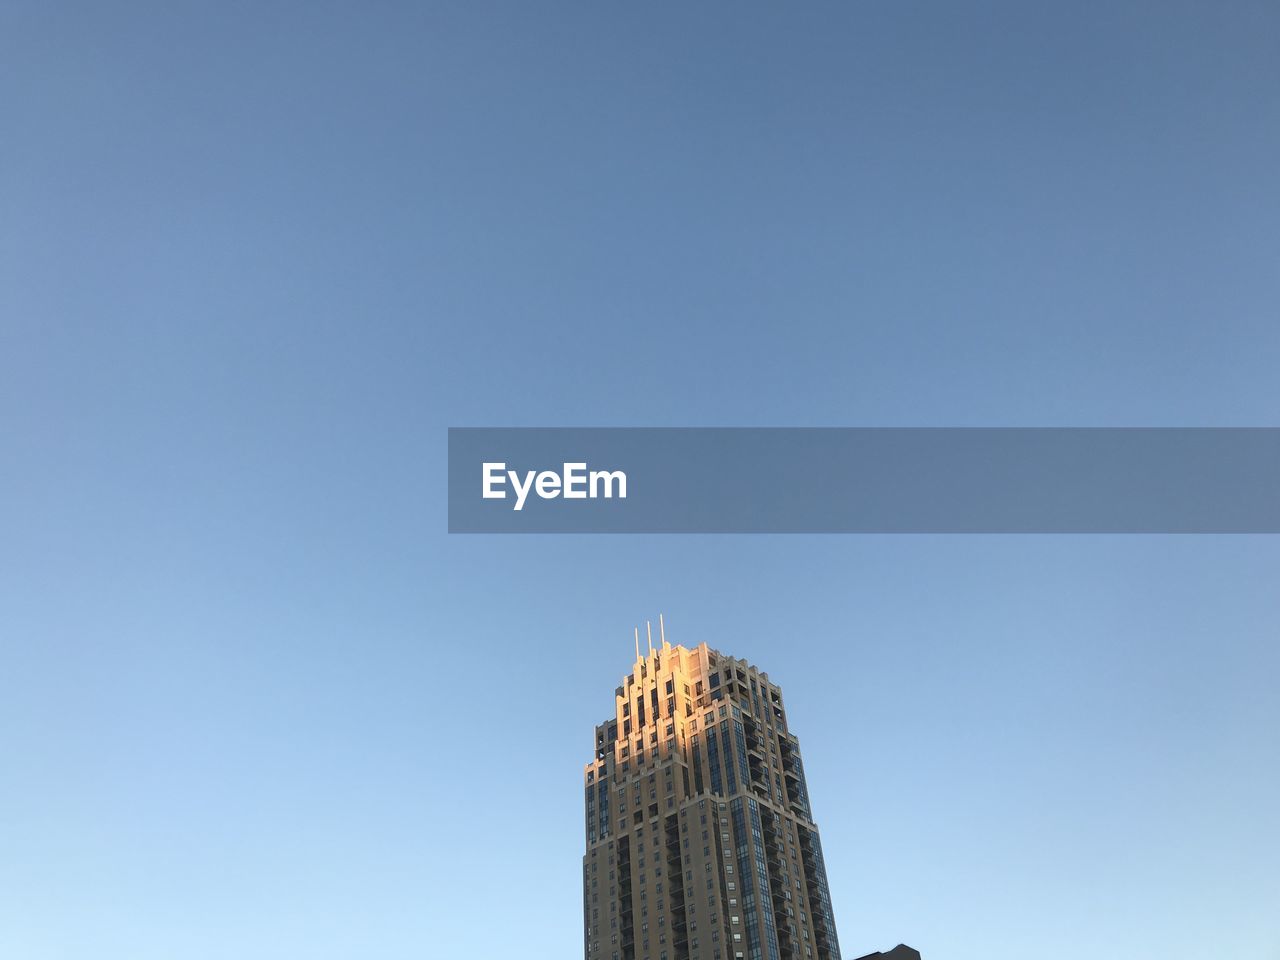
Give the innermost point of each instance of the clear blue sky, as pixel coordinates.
(255, 258)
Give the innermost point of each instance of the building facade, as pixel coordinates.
(701, 843)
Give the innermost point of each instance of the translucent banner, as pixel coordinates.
(864, 480)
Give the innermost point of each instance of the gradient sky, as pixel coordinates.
(255, 258)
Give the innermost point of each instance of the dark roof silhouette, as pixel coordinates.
(900, 952)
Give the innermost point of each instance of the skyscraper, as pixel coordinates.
(701, 843)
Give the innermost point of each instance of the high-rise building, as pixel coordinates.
(701, 843)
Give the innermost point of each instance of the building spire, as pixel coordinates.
(637, 644)
(648, 629)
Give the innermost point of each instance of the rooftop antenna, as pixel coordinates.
(662, 631)
(637, 644)
(648, 628)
